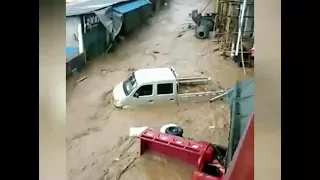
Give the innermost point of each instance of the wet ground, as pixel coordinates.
(97, 133)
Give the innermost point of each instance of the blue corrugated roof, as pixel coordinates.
(89, 6)
(129, 6)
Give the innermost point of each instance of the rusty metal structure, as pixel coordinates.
(234, 26)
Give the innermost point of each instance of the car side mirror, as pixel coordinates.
(136, 95)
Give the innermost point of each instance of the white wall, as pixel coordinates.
(71, 29)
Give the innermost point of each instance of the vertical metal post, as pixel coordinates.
(240, 26)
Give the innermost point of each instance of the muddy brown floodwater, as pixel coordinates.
(97, 134)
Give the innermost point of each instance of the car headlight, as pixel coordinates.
(114, 100)
(117, 103)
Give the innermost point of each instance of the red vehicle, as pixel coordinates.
(203, 155)
(199, 154)
(211, 162)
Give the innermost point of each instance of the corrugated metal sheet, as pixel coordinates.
(95, 41)
(89, 6)
(130, 6)
(135, 17)
(241, 101)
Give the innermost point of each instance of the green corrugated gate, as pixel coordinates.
(95, 39)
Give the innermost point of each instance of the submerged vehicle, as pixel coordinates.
(158, 86)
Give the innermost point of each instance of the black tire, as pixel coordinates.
(174, 130)
(202, 32)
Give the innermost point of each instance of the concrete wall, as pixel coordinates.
(72, 30)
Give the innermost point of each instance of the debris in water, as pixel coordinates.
(224, 54)
(185, 29)
(82, 79)
(84, 167)
(136, 131)
(189, 26)
(131, 69)
(121, 38)
(217, 49)
(181, 33)
(106, 70)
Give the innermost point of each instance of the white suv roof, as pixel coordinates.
(144, 76)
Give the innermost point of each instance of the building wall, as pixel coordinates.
(94, 34)
(72, 31)
(76, 64)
